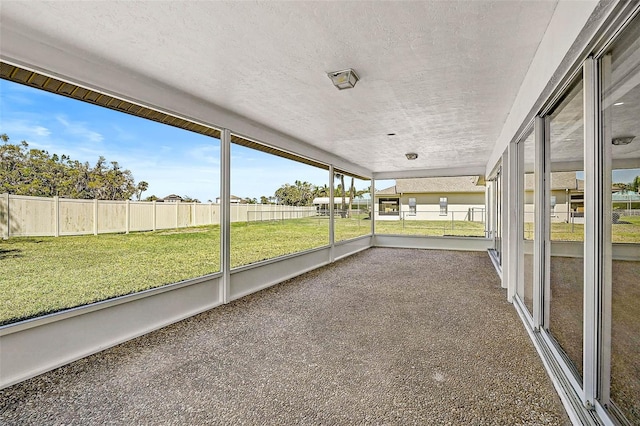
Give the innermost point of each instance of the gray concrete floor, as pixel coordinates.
(388, 336)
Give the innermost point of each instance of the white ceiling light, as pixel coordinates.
(345, 79)
(623, 140)
(411, 155)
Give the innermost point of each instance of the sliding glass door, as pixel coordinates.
(620, 103)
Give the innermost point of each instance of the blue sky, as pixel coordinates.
(171, 160)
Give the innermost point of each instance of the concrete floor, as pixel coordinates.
(388, 336)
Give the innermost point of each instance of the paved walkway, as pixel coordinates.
(388, 336)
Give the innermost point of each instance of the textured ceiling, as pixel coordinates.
(442, 76)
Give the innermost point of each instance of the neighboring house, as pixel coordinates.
(172, 198)
(234, 200)
(625, 200)
(437, 198)
(567, 197)
(463, 198)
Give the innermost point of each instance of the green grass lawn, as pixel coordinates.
(626, 231)
(40, 275)
(430, 228)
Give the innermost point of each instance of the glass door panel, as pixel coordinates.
(621, 118)
(566, 219)
(526, 149)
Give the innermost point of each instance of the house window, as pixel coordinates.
(443, 206)
(412, 206)
(389, 207)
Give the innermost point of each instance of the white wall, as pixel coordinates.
(567, 23)
(428, 207)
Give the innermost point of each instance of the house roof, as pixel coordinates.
(559, 181)
(625, 196)
(172, 197)
(387, 191)
(434, 185)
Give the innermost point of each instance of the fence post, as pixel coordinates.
(177, 213)
(192, 220)
(6, 232)
(95, 216)
(153, 214)
(127, 219)
(56, 216)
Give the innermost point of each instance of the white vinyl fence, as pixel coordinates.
(24, 216)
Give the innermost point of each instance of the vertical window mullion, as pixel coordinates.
(593, 230)
(604, 388)
(541, 225)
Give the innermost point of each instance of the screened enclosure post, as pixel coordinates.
(373, 209)
(331, 215)
(225, 214)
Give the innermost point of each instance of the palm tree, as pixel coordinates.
(352, 193)
(635, 185)
(322, 191)
(341, 177)
(140, 188)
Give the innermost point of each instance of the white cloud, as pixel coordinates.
(21, 129)
(209, 154)
(79, 129)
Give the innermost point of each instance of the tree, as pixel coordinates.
(35, 172)
(140, 188)
(151, 198)
(352, 192)
(264, 200)
(622, 186)
(635, 185)
(322, 191)
(341, 177)
(187, 199)
(299, 194)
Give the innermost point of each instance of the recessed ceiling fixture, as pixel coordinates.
(622, 140)
(391, 134)
(618, 103)
(345, 79)
(411, 155)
